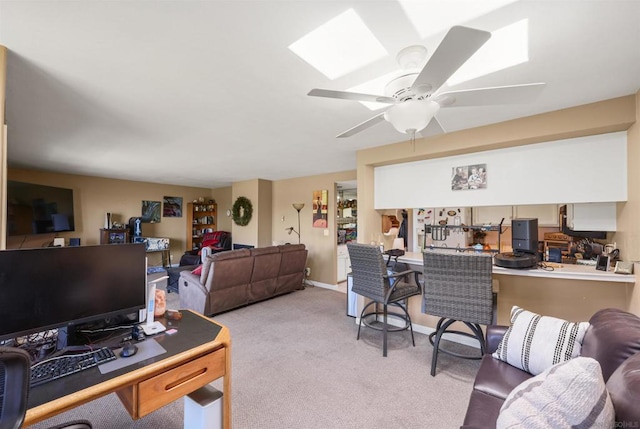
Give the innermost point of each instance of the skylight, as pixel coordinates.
(507, 47)
(339, 46)
(430, 17)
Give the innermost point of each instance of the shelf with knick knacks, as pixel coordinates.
(201, 219)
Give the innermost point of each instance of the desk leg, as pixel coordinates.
(166, 258)
(226, 390)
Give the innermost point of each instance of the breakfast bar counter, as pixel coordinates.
(553, 271)
(571, 292)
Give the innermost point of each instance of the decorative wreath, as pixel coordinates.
(242, 211)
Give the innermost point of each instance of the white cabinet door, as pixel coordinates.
(592, 216)
(492, 215)
(547, 214)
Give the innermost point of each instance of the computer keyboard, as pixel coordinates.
(60, 366)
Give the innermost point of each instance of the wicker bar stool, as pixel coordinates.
(372, 280)
(458, 288)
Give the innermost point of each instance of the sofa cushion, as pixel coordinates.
(497, 378)
(624, 388)
(197, 270)
(569, 394)
(292, 264)
(533, 343)
(613, 337)
(482, 408)
(206, 265)
(264, 279)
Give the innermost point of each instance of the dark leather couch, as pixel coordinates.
(239, 277)
(613, 339)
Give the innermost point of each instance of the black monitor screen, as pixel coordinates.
(53, 287)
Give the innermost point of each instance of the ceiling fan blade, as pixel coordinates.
(434, 127)
(512, 94)
(355, 96)
(362, 126)
(458, 45)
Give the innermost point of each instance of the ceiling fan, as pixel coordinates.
(414, 97)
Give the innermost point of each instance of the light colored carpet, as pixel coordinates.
(297, 364)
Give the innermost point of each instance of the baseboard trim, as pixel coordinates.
(324, 285)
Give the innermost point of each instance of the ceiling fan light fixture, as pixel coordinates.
(411, 116)
(412, 57)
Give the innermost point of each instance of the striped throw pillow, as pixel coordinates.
(570, 394)
(534, 343)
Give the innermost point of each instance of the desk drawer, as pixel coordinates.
(164, 388)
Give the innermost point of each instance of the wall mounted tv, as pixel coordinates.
(38, 209)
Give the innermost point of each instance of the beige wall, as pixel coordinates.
(224, 201)
(247, 234)
(322, 248)
(541, 295)
(94, 196)
(628, 235)
(272, 202)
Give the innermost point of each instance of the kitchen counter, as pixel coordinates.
(560, 271)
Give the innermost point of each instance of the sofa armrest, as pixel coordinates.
(494, 336)
(193, 295)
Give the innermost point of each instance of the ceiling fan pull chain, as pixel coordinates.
(412, 132)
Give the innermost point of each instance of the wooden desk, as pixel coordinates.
(197, 354)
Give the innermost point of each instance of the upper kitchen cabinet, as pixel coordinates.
(592, 217)
(492, 215)
(547, 214)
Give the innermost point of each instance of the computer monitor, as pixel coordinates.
(61, 287)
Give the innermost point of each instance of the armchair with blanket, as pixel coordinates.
(217, 241)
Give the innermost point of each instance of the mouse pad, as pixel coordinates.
(146, 349)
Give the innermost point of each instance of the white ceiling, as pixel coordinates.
(206, 93)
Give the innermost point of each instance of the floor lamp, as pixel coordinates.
(298, 207)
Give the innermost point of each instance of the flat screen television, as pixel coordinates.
(61, 287)
(38, 209)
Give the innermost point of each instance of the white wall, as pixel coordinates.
(564, 171)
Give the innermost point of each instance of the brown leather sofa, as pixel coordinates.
(613, 339)
(239, 277)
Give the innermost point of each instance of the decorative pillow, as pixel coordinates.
(197, 270)
(569, 394)
(533, 343)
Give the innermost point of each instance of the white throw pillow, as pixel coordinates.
(568, 395)
(533, 343)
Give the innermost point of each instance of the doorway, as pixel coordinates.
(346, 226)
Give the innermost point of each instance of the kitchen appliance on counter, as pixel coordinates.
(441, 235)
(524, 241)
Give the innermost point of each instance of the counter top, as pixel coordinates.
(561, 271)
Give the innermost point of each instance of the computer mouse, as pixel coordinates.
(128, 350)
